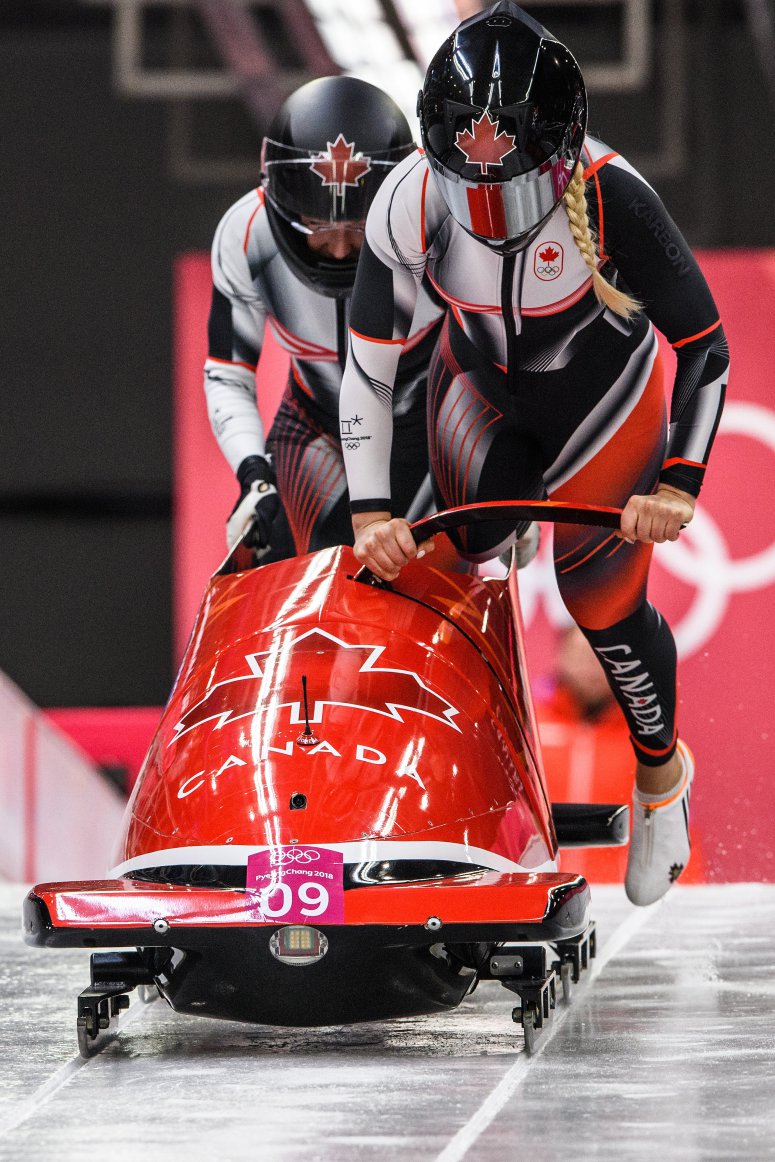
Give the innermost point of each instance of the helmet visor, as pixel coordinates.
(502, 211)
(316, 189)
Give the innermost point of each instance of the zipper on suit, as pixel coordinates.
(341, 332)
(512, 321)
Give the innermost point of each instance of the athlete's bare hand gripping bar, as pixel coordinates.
(519, 511)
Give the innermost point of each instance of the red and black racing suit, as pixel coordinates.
(538, 390)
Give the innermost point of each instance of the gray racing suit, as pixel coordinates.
(253, 286)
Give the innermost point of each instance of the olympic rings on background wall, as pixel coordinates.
(700, 558)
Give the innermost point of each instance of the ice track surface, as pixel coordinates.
(667, 1051)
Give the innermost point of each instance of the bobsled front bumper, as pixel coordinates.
(488, 906)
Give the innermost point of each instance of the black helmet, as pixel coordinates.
(327, 152)
(502, 114)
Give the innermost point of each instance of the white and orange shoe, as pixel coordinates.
(659, 842)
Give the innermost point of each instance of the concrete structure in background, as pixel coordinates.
(58, 815)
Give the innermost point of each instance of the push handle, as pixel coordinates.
(554, 511)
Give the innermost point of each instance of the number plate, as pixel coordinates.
(298, 885)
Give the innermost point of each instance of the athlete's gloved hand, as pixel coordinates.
(258, 503)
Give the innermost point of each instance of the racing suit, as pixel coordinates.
(537, 390)
(253, 285)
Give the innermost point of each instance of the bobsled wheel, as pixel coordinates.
(566, 980)
(529, 1020)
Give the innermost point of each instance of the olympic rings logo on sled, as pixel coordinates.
(288, 855)
(700, 558)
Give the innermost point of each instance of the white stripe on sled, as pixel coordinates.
(365, 851)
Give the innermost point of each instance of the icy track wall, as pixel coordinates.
(58, 816)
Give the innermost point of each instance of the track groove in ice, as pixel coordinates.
(495, 1101)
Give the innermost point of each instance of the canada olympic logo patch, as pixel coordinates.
(547, 261)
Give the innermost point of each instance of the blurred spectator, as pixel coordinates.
(578, 682)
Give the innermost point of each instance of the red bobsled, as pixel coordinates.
(345, 794)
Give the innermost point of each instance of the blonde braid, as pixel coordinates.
(575, 199)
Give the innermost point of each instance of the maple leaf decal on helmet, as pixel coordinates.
(549, 254)
(338, 166)
(483, 144)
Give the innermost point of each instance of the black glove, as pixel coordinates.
(257, 506)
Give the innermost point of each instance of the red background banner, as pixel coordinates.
(715, 586)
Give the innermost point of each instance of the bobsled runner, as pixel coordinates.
(343, 815)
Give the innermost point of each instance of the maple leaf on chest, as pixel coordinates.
(483, 144)
(549, 254)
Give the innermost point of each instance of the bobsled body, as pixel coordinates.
(350, 767)
(419, 730)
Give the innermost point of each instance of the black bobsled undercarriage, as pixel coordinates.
(214, 972)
